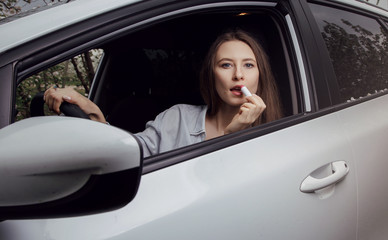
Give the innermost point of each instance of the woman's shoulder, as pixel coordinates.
(182, 112)
(187, 108)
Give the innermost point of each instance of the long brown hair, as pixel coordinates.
(267, 88)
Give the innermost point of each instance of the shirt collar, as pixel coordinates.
(199, 123)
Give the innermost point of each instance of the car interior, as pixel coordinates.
(150, 68)
(153, 68)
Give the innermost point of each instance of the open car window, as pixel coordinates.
(77, 72)
(152, 68)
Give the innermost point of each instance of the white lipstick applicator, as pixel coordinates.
(246, 92)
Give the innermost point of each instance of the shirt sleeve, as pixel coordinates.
(159, 134)
(150, 137)
(172, 129)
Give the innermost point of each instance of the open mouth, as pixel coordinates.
(236, 90)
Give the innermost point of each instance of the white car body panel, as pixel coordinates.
(366, 127)
(77, 11)
(41, 23)
(58, 166)
(246, 191)
(233, 192)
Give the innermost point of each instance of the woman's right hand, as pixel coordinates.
(54, 97)
(249, 112)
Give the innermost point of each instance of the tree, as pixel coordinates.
(12, 7)
(77, 72)
(359, 58)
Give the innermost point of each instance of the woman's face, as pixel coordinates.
(235, 65)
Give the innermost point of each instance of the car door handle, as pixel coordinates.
(310, 184)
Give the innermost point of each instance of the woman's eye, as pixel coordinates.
(226, 65)
(249, 65)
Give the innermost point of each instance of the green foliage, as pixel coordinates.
(11, 7)
(62, 75)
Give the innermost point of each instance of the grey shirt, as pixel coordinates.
(176, 127)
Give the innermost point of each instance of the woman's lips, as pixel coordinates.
(236, 90)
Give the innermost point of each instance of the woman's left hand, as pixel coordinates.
(247, 115)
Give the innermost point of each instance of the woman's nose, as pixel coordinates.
(238, 74)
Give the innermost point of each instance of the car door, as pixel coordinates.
(252, 190)
(363, 89)
(294, 178)
(249, 190)
(368, 147)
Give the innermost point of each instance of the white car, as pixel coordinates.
(317, 173)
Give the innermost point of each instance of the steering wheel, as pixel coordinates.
(71, 110)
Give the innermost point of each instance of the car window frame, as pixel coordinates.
(36, 62)
(6, 94)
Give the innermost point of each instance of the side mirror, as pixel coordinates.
(62, 166)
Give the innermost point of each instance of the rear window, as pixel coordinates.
(358, 48)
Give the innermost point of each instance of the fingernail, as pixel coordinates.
(66, 97)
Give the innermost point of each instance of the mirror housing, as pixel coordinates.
(63, 166)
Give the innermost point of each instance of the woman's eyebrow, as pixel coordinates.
(249, 59)
(231, 60)
(225, 59)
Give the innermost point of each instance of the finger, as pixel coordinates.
(49, 102)
(67, 99)
(47, 93)
(246, 117)
(254, 99)
(258, 101)
(248, 105)
(54, 101)
(50, 90)
(56, 105)
(251, 111)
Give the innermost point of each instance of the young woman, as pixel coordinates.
(234, 60)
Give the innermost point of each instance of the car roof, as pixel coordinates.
(36, 25)
(30, 27)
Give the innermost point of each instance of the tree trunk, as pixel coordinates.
(79, 75)
(88, 63)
